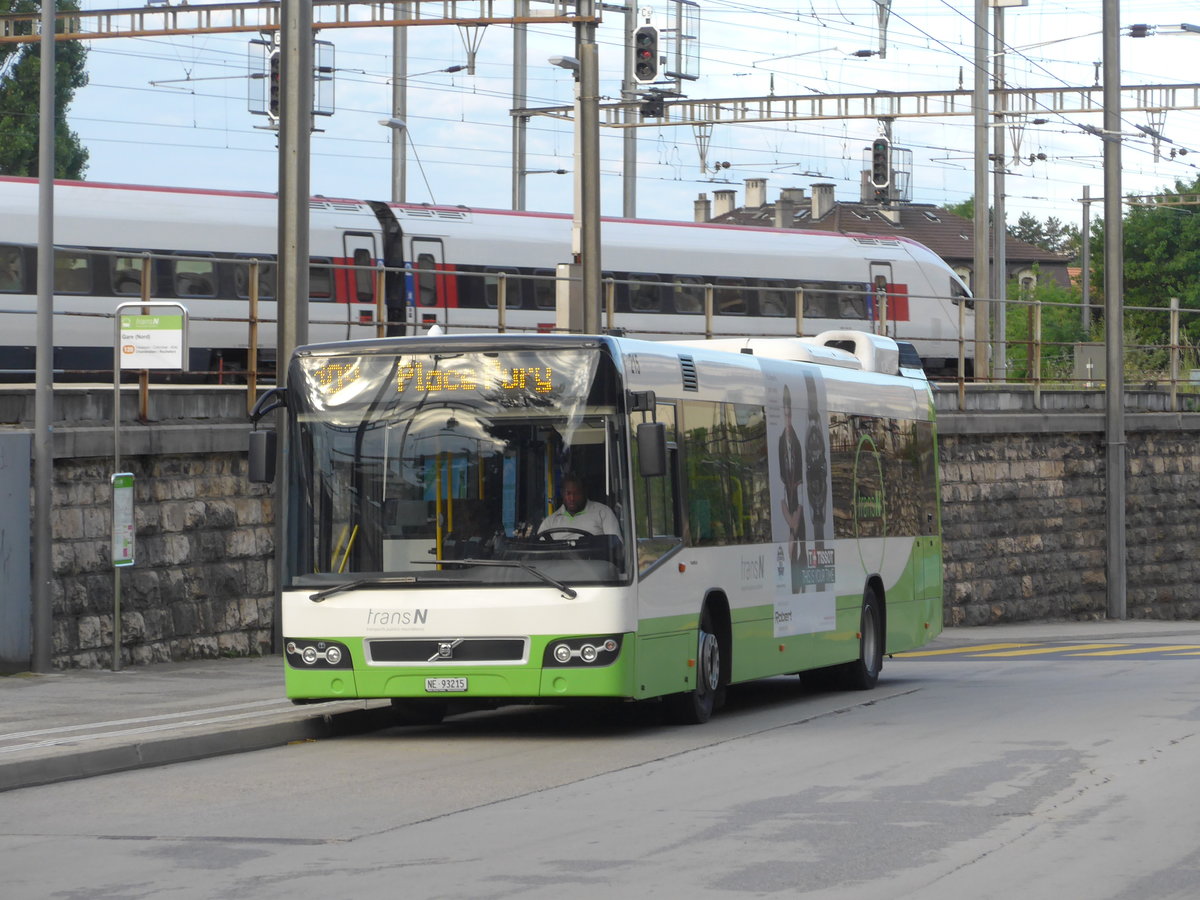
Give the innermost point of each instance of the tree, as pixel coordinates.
(20, 68)
(1161, 261)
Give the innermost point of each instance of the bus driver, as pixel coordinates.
(579, 513)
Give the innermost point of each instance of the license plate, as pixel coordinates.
(445, 685)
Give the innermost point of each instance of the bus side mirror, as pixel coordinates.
(652, 449)
(261, 457)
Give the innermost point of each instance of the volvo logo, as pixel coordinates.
(445, 650)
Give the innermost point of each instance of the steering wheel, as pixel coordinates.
(544, 537)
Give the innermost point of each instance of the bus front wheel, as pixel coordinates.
(695, 707)
(863, 673)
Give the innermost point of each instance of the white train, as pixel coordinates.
(443, 264)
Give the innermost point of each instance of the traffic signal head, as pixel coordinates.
(881, 162)
(274, 85)
(645, 54)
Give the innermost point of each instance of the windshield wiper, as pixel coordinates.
(361, 583)
(568, 592)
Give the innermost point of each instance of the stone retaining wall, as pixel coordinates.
(203, 582)
(1023, 515)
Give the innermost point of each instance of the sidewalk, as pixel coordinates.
(80, 723)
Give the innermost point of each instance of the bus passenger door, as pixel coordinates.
(426, 285)
(356, 283)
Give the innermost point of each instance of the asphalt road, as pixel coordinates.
(965, 774)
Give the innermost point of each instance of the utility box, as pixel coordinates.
(1090, 362)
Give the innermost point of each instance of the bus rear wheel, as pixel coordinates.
(695, 707)
(863, 673)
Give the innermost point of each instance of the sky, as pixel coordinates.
(173, 111)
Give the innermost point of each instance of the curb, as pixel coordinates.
(148, 754)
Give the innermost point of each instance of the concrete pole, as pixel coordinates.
(43, 401)
(295, 126)
(999, 219)
(1085, 253)
(520, 124)
(981, 282)
(589, 151)
(400, 106)
(1114, 322)
(629, 138)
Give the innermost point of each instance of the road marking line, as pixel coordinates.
(1147, 649)
(914, 653)
(1044, 650)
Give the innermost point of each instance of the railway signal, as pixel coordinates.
(881, 163)
(645, 54)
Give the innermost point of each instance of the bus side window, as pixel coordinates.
(364, 276)
(194, 277)
(72, 272)
(655, 499)
(126, 275)
(320, 278)
(12, 269)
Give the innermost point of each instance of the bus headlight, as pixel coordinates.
(584, 651)
(310, 654)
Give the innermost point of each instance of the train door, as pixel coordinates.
(889, 301)
(357, 283)
(427, 287)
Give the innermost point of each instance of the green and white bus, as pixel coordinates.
(776, 500)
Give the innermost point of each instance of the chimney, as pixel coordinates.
(723, 202)
(785, 211)
(794, 196)
(701, 209)
(822, 199)
(756, 193)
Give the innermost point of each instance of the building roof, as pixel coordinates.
(948, 235)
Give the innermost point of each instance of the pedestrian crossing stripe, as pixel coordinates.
(1035, 650)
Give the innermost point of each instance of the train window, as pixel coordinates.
(512, 289)
(320, 278)
(776, 298)
(545, 289)
(729, 297)
(266, 280)
(645, 294)
(852, 301)
(194, 277)
(426, 280)
(819, 301)
(688, 294)
(12, 269)
(364, 281)
(72, 272)
(126, 274)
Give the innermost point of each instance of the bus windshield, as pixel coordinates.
(445, 467)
